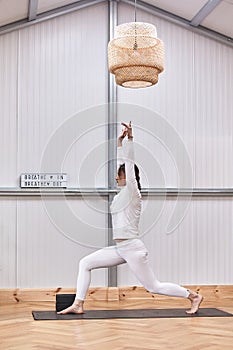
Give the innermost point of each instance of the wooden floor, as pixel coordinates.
(19, 331)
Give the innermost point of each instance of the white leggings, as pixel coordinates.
(135, 254)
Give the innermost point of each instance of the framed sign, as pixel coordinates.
(38, 180)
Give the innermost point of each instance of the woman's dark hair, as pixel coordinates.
(136, 170)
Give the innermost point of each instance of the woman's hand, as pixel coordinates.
(129, 130)
(123, 133)
(122, 136)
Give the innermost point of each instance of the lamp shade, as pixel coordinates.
(136, 55)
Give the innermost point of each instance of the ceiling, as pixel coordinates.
(215, 15)
(219, 19)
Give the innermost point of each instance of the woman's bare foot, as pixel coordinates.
(75, 308)
(196, 300)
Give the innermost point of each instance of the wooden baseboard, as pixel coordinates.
(212, 292)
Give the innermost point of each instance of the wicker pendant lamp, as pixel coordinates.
(136, 55)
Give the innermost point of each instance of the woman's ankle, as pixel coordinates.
(78, 302)
(192, 294)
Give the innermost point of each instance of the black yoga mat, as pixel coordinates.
(138, 313)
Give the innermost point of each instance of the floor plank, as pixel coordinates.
(20, 332)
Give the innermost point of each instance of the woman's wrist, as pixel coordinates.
(119, 141)
(130, 137)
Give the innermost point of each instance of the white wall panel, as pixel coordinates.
(213, 113)
(172, 98)
(52, 73)
(198, 252)
(62, 72)
(8, 108)
(194, 95)
(50, 247)
(8, 242)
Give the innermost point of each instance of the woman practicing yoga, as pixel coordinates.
(126, 211)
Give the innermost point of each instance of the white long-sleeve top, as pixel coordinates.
(126, 205)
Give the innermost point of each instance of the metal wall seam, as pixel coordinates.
(112, 135)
